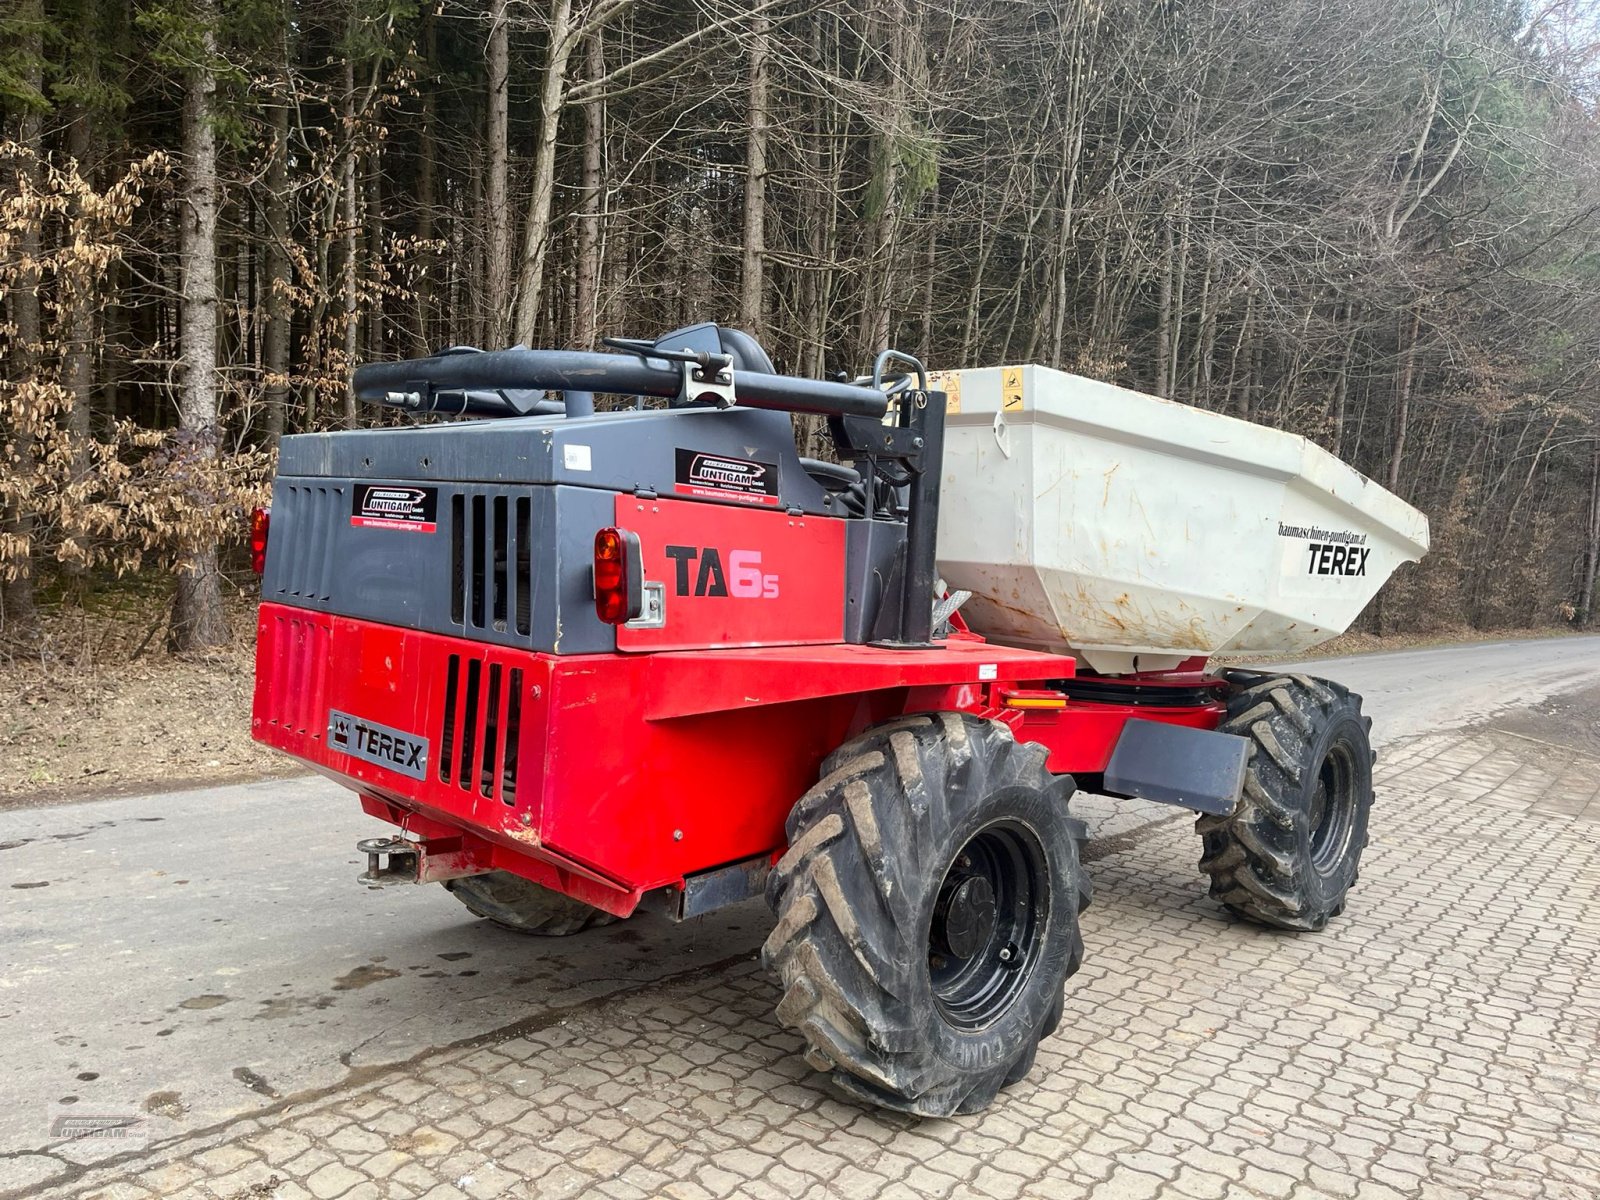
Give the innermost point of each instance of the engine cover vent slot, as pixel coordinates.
(308, 518)
(481, 728)
(299, 677)
(491, 562)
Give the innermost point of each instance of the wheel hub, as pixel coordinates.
(965, 918)
(988, 924)
(1331, 815)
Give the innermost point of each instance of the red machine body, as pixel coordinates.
(632, 771)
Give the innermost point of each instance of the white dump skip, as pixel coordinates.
(1136, 532)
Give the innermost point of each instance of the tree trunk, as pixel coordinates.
(1341, 386)
(1591, 566)
(755, 183)
(536, 238)
(19, 613)
(1233, 363)
(930, 276)
(1075, 118)
(198, 620)
(375, 252)
(1180, 280)
(77, 360)
(586, 301)
(1402, 402)
(428, 268)
(892, 20)
(1164, 312)
(276, 339)
(77, 369)
(352, 229)
(498, 268)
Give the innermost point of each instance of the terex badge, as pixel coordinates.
(395, 506)
(379, 744)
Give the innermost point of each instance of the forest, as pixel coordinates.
(1372, 222)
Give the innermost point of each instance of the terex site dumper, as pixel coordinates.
(591, 662)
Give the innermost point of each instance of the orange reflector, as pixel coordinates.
(1031, 699)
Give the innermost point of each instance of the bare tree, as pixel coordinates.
(751, 289)
(498, 282)
(198, 619)
(18, 609)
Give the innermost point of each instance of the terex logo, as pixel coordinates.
(743, 579)
(1328, 558)
(392, 748)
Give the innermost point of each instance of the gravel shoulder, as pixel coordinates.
(100, 709)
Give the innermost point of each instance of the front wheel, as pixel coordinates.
(928, 913)
(1290, 851)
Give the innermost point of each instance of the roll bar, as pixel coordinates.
(511, 382)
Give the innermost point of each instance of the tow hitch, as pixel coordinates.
(389, 860)
(420, 859)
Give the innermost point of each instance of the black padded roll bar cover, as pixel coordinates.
(521, 369)
(617, 374)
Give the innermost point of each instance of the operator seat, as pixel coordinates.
(745, 351)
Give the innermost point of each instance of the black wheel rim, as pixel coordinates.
(1332, 814)
(988, 924)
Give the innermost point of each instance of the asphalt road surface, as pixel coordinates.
(1411, 692)
(198, 955)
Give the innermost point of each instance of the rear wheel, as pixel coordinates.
(1290, 851)
(928, 913)
(519, 904)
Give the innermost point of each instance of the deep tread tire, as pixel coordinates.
(854, 896)
(1266, 860)
(523, 906)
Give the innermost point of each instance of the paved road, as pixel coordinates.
(204, 956)
(1411, 692)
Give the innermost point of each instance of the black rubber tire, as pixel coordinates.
(523, 906)
(1280, 858)
(870, 847)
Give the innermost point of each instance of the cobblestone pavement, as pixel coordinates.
(1442, 1039)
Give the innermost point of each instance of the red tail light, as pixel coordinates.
(260, 526)
(618, 576)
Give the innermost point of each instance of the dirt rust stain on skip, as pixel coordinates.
(1086, 611)
(1105, 499)
(525, 834)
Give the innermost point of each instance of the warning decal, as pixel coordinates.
(1011, 389)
